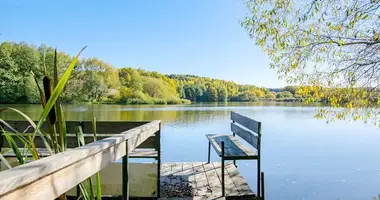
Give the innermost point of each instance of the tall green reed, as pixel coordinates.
(55, 140)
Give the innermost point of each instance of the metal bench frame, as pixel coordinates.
(250, 131)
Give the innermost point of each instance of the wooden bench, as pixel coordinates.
(147, 148)
(229, 147)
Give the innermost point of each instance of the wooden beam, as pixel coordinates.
(246, 122)
(110, 127)
(72, 140)
(54, 175)
(246, 135)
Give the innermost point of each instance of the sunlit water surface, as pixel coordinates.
(302, 157)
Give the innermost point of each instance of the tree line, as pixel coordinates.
(93, 80)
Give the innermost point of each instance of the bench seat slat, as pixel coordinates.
(234, 150)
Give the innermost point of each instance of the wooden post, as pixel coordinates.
(223, 191)
(234, 134)
(258, 160)
(78, 192)
(262, 186)
(209, 149)
(158, 149)
(125, 173)
(1, 136)
(1, 139)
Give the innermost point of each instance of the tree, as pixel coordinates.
(270, 95)
(284, 95)
(222, 93)
(324, 44)
(94, 85)
(211, 94)
(11, 83)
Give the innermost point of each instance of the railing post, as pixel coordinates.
(125, 173)
(223, 191)
(234, 134)
(209, 149)
(1, 139)
(262, 186)
(259, 160)
(158, 149)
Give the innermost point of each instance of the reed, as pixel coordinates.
(55, 139)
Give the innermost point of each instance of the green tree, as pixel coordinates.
(211, 94)
(270, 95)
(323, 44)
(284, 95)
(31, 91)
(94, 85)
(222, 94)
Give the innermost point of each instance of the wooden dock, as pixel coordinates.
(197, 180)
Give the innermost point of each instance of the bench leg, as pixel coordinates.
(223, 189)
(235, 163)
(258, 178)
(209, 148)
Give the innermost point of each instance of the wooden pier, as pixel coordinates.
(198, 180)
(60, 173)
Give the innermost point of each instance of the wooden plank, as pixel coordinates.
(110, 127)
(187, 172)
(246, 135)
(166, 169)
(201, 180)
(143, 153)
(190, 173)
(230, 188)
(72, 141)
(213, 180)
(246, 122)
(239, 182)
(233, 148)
(42, 152)
(52, 176)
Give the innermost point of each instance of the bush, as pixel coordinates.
(158, 101)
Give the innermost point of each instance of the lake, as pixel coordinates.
(302, 157)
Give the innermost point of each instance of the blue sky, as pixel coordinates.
(200, 37)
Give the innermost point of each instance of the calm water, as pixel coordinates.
(303, 158)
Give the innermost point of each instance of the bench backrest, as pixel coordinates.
(246, 128)
(104, 129)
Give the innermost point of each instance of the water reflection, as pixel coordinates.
(302, 157)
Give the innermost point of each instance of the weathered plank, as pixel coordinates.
(246, 135)
(230, 187)
(187, 173)
(233, 148)
(42, 152)
(201, 180)
(246, 122)
(52, 176)
(239, 182)
(213, 180)
(110, 127)
(143, 153)
(72, 140)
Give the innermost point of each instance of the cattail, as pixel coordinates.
(48, 91)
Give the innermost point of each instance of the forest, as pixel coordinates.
(95, 81)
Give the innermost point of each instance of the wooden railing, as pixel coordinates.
(54, 175)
